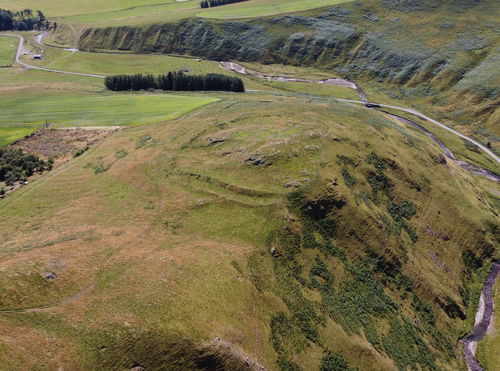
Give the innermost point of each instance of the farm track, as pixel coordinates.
(20, 49)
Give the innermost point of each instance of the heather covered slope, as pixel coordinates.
(437, 55)
(284, 235)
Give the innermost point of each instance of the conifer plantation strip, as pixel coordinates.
(174, 81)
(213, 3)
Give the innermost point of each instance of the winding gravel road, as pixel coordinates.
(427, 118)
(20, 49)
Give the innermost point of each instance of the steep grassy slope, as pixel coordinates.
(284, 234)
(436, 55)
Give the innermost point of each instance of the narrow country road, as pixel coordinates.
(20, 49)
(427, 118)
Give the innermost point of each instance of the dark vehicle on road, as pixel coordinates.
(372, 105)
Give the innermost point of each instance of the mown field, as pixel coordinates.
(128, 12)
(8, 47)
(9, 134)
(89, 110)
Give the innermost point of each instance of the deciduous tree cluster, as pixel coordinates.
(16, 165)
(23, 20)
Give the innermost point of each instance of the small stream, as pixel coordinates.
(471, 168)
(484, 316)
(230, 66)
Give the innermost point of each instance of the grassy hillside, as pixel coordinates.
(128, 12)
(7, 51)
(277, 227)
(166, 231)
(434, 56)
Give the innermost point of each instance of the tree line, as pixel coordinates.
(16, 165)
(175, 81)
(212, 3)
(23, 20)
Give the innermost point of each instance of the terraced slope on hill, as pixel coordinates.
(279, 228)
(294, 240)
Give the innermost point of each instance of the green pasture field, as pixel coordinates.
(126, 63)
(91, 110)
(262, 8)
(9, 134)
(7, 73)
(8, 47)
(116, 63)
(128, 12)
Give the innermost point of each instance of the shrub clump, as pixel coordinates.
(348, 178)
(332, 361)
(16, 165)
(23, 20)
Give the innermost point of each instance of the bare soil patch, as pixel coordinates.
(61, 144)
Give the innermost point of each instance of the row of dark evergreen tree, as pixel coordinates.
(212, 3)
(23, 20)
(176, 81)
